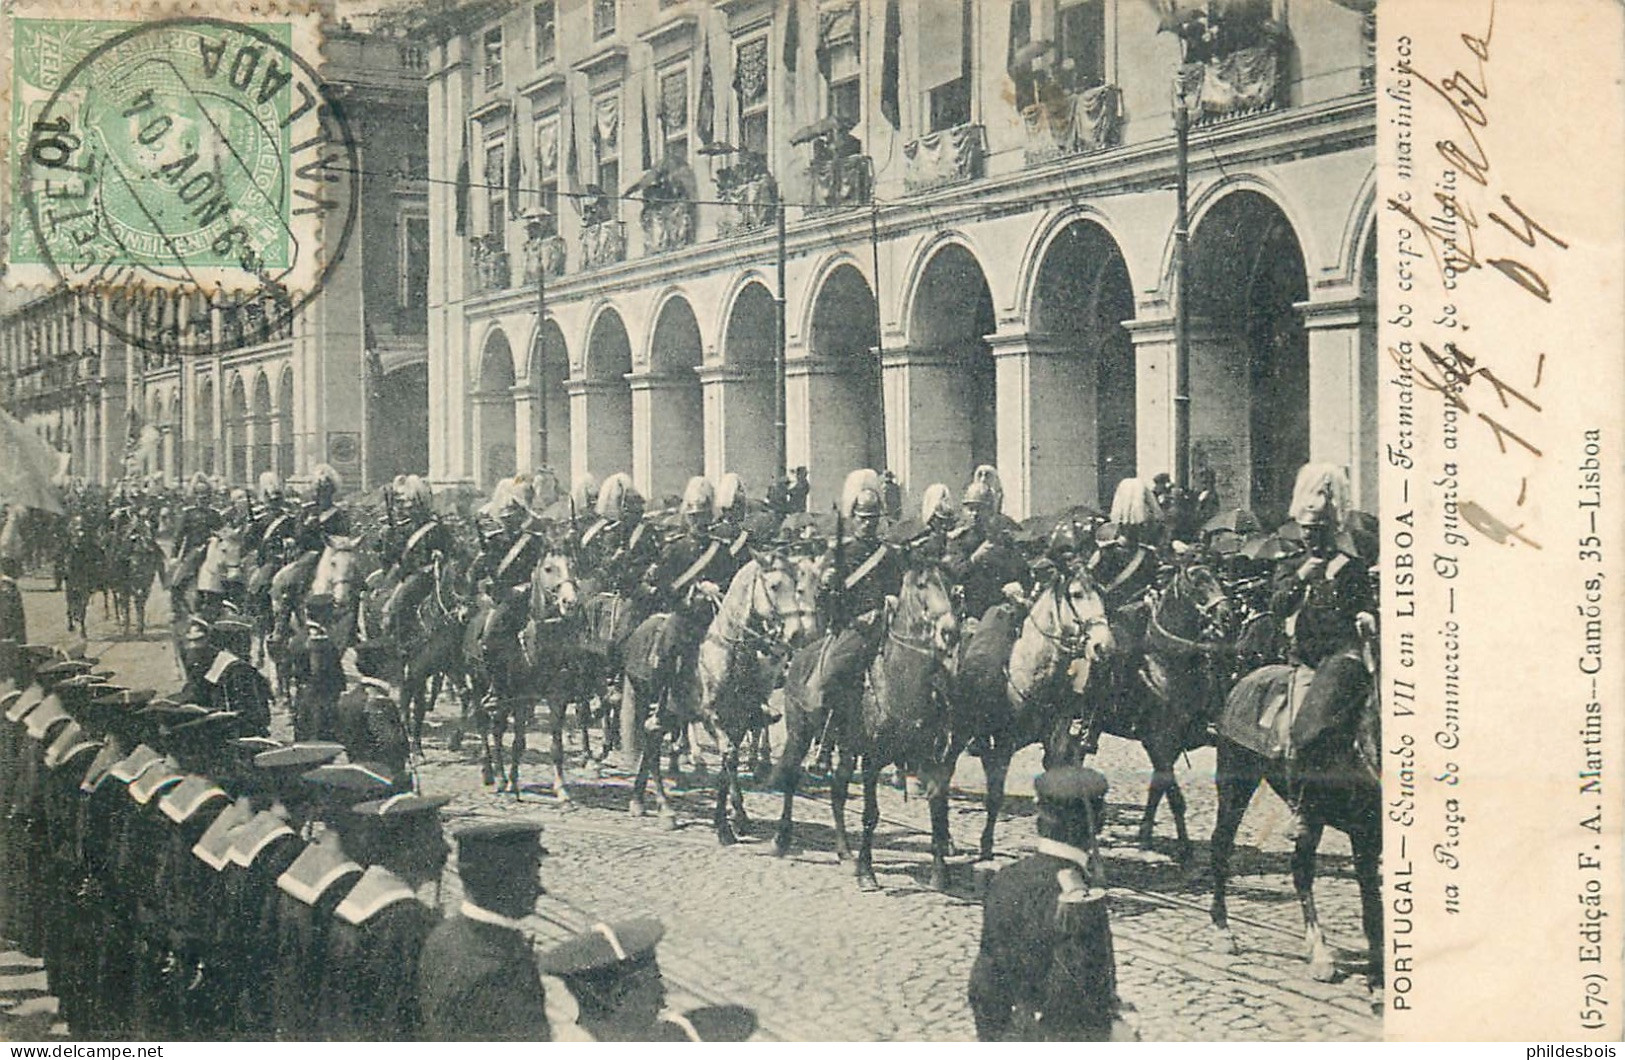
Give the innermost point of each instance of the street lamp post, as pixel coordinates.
(781, 458)
(1181, 282)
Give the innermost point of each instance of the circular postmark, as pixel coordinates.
(195, 178)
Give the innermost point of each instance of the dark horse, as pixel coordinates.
(84, 563)
(135, 559)
(899, 718)
(1167, 682)
(1332, 778)
(1026, 686)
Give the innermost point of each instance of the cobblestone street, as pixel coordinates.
(794, 939)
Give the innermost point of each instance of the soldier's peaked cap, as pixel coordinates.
(351, 779)
(1069, 786)
(66, 668)
(300, 756)
(400, 807)
(722, 1023)
(128, 698)
(498, 841)
(604, 947)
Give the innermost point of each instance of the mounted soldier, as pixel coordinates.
(322, 517)
(198, 520)
(981, 557)
(1125, 565)
(619, 546)
(425, 540)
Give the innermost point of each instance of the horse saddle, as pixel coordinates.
(1278, 710)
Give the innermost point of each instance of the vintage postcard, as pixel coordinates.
(486, 487)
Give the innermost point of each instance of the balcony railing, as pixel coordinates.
(1071, 123)
(603, 244)
(491, 267)
(667, 225)
(544, 256)
(1247, 81)
(750, 204)
(948, 156)
(838, 183)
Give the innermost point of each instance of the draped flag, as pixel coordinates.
(705, 110)
(890, 67)
(792, 37)
(464, 185)
(572, 162)
(643, 111)
(516, 163)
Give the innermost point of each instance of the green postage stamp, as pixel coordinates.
(190, 154)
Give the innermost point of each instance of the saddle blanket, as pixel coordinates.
(1280, 709)
(987, 651)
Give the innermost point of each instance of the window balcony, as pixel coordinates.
(751, 195)
(667, 225)
(491, 265)
(949, 156)
(840, 183)
(1073, 123)
(544, 257)
(603, 244)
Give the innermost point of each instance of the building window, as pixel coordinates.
(603, 19)
(846, 101)
(493, 58)
(496, 192)
(413, 297)
(545, 22)
(547, 170)
(751, 85)
(673, 115)
(607, 149)
(1080, 45)
(945, 62)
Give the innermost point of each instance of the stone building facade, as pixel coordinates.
(979, 252)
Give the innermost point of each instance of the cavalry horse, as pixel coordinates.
(1333, 777)
(1164, 691)
(135, 560)
(1031, 691)
(553, 670)
(432, 654)
(724, 684)
(84, 570)
(324, 587)
(898, 719)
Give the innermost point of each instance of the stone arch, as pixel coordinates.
(170, 445)
(943, 386)
(283, 425)
(667, 415)
(236, 432)
(203, 419)
(818, 283)
(837, 388)
(744, 282)
(260, 410)
(1081, 359)
(548, 375)
(1249, 351)
(1257, 184)
(601, 419)
(739, 406)
(494, 419)
(926, 256)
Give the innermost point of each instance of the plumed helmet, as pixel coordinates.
(862, 485)
(985, 489)
(1066, 539)
(11, 535)
(1134, 504)
(239, 496)
(698, 496)
(731, 494)
(324, 473)
(617, 495)
(584, 494)
(1320, 496)
(270, 485)
(414, 490)
(200, 480)
(521, 490)
(937, 508)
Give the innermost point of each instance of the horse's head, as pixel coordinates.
(553, 586)
(1212, 613)
(927, 608)
(776, 602)
(225, 554)
(1071, 615)
(338, 572)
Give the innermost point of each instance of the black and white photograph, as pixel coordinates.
(718, 520)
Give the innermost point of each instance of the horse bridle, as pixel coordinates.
(1071, 646)
(924, 646)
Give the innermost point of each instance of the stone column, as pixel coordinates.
(1343, 389)
(928, 418)
(253, 431)
(524, 429)
(824, 426)
(600, 444)
(1221, 403)
(667, 415)
(1047, 432)
(738, 406)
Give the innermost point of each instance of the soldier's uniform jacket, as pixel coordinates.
(308, 892)
(691, 558)
(624, 553)
(1036, 979)
(260, 852)
(273, 521)
(478, 981)
(873, 570)
(316, 525)
(1319, 609)
(197, 523)
(378, 931)
(1123, 571)
(983, 573)
(420, 542)
(13, 623)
